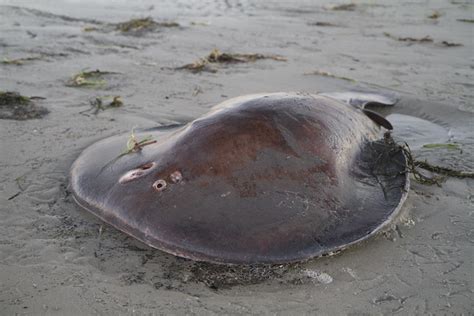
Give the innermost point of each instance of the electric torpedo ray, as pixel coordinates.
(267, 178)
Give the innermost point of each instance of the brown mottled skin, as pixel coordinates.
(267, 178)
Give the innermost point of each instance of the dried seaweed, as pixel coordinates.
(328, 24)
(15, 106)
(140, 25)
(414, 165)
(450, 44)
(90, 29)
(217, 57)
(426, 39)
(19, 61)
(133, 146)
(328, 74)
(344, 7)
(9, 98)
(447, 146)
(198, 23)
(202, 64)
(105, 102)
(89, 79)
(444, 170)
(196, 91)
(466, 20)
(434, 15)
(132, 27)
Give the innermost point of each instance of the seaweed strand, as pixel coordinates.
(414, 165)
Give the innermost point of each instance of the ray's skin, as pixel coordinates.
(267, 178)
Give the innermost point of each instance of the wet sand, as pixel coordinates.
(57, 259)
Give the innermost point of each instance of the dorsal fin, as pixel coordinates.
(378, 119)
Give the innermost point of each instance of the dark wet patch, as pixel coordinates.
(14, 106)
(176, 272)
(217, 57)
(222, 277)
(218, 277)
(133, 278)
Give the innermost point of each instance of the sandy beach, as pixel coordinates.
(57, 259)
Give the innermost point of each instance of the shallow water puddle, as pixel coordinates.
(417, 132)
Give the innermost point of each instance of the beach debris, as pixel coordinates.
(104, 102)
(450, 44)
(466, 20)
(135, 27)
(19, 182)
(414, 165)
(14, 196)
(134, 145)
(344, 7)
(19, 61)
(386, 298)
(199, 65)
(328, 74)
(434, 15)
(199, 23)
(8, 98)
(90, 79)
(328, 24)
(90, 29)
(197, 90)
(15, 106)
(142, 25)
(217, 57)
(426, 39)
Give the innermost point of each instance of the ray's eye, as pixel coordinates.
(159, 185)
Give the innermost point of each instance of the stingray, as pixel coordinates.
(266, 178)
